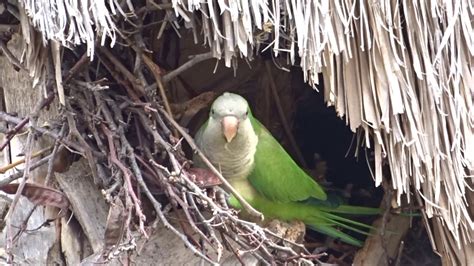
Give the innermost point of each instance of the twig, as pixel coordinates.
(195, 60)
(185, 207)
(13, 10)
(387, 200)
(157, 74)
(57, 145)
(76, 68)
(125, 72)
(15, 120)
(43, 103)
(55, 56)
(210, 231)
(85, 109)
(8, 54)
(245, 245)
(14, 131)
(173, 74)
(154, 7)
(127, 178)
(16, 198)
(24, 224)
(157, 207)
(284, 122)
(5, 168)
(87, 150)
(400, 252)
(286, 240)
(17, 175)
(28, 153)
(229, 246)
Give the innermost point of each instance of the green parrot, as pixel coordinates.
(265, 175)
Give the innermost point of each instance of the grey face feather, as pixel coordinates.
(234, 159)
(230, 104)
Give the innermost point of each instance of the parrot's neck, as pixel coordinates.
(235, 159)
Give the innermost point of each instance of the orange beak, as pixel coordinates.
(229, 126)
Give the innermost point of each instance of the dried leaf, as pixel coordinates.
(39, 194)
(203, 177)
(115, 226)
(190, 108)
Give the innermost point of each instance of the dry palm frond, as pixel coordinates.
(68, 22)
(74, 22)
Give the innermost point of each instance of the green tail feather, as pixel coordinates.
(335, 204)
(325, 220)
(330, 221)
(346, 221)
(333, 232)
(354, 210)
(348, 227)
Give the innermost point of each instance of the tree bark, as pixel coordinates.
(20, 97)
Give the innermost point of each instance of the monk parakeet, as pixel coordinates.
(265, 175)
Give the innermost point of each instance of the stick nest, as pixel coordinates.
(134, 149)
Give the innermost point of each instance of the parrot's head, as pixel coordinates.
(231, 111)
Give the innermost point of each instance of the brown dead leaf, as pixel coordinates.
(114, 229)
(39, 194)
(187, 110)
(204, 178)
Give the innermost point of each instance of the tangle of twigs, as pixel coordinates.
(134, 149)
(124, 127)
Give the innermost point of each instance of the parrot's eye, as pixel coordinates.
(212, 111)
(247, 113)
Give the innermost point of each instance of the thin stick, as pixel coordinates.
(284, 122)
(45, 102)
(13, 132)
(120, 67)
(399, 254)
(127, 178)
(28, 152)
(211, 232)
(9, 55)
(193, 61)
(286, 240)
(157, 74)
(15, 120)
(56, 147)
(5, 168)
(17, 175)
(16, 198)
(157, 205)
(76, 68)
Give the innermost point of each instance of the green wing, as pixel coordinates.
(276, 175)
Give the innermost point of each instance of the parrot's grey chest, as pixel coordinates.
(234, 160)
